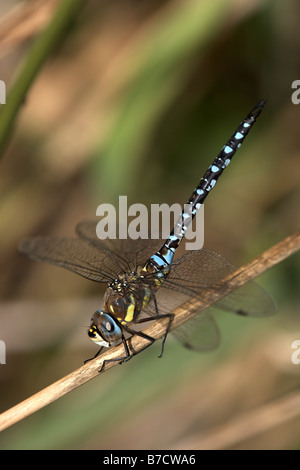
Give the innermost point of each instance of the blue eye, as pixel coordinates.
(109, 328)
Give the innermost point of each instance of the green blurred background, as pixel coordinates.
(137, 99)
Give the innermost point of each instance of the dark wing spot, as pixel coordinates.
(242, 313)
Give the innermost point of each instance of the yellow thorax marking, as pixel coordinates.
(146, 298)
(130, 311)
(158, 281)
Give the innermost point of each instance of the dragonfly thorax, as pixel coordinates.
(123, 280)
(125, 297)
(123, 300)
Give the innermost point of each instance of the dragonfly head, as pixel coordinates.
(104, 330)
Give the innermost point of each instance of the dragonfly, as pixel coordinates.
(143, 280)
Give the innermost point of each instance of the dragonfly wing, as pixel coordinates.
(130, 252)
(200, 270)
(70, 253)
(249, 300)
(200, 333)
(166, 300)
(88, 256)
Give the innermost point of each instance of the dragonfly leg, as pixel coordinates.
(96, 355)
(167, 315)
(128, 355)
(118, 359)
(142, 335)
(170, 316)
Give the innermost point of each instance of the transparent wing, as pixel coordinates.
(200, 333)
(199, 270)
(190, 275)
(131, 253)
(72, 254)
(249, 300)
(88, 256)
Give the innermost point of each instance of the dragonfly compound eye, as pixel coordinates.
(104, 330)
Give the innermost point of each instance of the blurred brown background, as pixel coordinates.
(137, 100)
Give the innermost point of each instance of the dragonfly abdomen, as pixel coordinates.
(162, 259)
